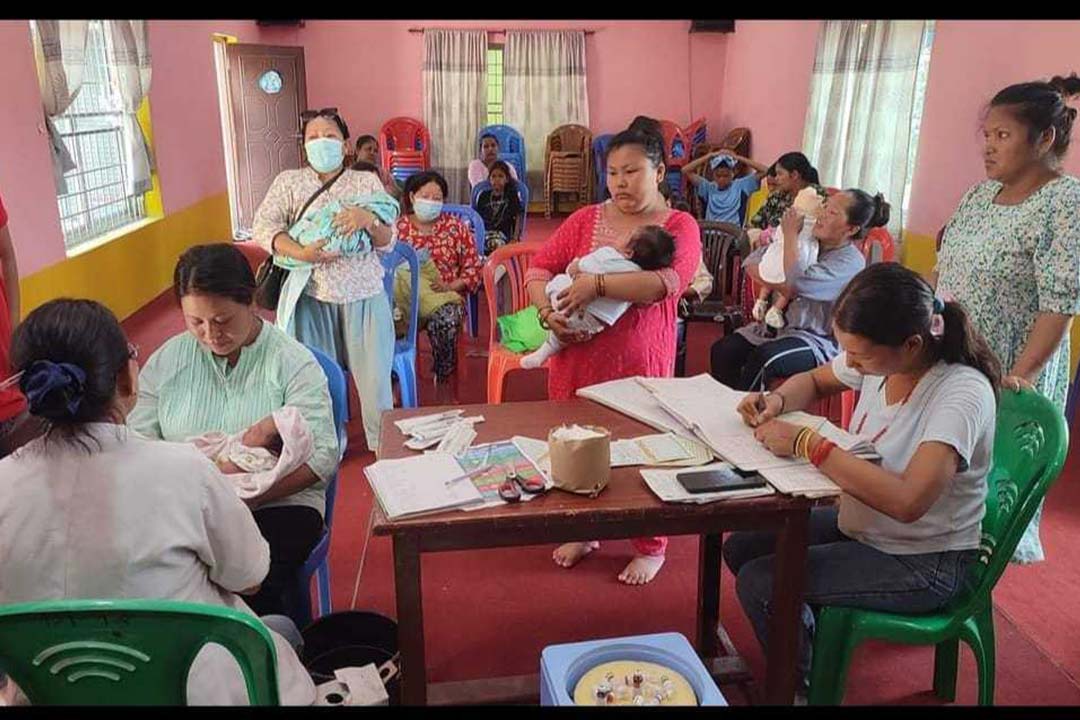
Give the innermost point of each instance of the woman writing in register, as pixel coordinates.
(906, 529)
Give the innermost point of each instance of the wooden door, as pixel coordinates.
(267, 93)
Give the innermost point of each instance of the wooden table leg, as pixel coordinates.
(410, 620)
(788, 586)
(708, 606)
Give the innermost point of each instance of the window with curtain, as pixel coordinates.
(94, 75)
(866, 100)
(494, 85)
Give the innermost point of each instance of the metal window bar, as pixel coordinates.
(97, 199)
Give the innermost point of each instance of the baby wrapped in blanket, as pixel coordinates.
(256, 458)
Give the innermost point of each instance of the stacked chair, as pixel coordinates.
(676, 155)
(567, 164)
(404, 147)
(599, 151)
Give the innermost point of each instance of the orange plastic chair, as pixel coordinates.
(515, 258)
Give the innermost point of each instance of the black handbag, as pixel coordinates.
(269, 278)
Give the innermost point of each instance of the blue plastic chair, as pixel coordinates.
(476, 224)
(511, 146)
(599, 149)
(523, 197)
(405, 349)
(317, 563)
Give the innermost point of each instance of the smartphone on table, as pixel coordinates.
(718, 480)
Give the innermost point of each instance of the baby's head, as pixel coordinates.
(808, 202)
(263, 434)
(652, 247)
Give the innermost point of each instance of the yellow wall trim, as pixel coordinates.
(132, 270)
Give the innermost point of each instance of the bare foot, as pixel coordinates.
(569, 554)
(641, 569)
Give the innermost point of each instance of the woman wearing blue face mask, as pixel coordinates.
(342, 309)
(424, 225)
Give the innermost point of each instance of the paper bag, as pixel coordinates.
(580, 465)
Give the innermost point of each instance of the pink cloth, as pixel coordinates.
(642, 342)
(262, 468)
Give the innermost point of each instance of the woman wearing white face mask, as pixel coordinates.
(343, 309)
(424, 225)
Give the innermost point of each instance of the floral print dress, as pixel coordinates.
(1006, 264)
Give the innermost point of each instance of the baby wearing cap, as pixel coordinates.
(771, 268)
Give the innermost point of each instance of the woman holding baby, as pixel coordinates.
(228, 372)
(641, 341)
(755, 355)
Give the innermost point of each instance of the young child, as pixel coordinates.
(723, 194)
(771, 269)
(261, 455)
(499, 208)
(650, 248)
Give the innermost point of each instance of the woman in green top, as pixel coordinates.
(1011, 252)
(794, 173)
(229, 370)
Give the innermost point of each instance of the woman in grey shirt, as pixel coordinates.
(906, 529)
(751, 357)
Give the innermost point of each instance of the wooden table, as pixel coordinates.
(625, 509)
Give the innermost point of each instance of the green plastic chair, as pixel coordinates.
(1030, 446)
(127, 652)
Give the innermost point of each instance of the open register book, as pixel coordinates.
(703, 408)
(419, 485)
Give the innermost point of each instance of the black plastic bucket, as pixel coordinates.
(352, 638)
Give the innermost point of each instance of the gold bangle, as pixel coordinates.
(795, 444)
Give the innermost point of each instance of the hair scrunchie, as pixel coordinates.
(45, 377)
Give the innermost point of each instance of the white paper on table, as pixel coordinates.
(629, 397)
(648, 450)
(417, 484)
(407, 425)
(802, 480)
(664, 484)
(537, 452)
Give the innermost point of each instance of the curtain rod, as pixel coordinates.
(503, 30)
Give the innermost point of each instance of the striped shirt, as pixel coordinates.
(185, 390)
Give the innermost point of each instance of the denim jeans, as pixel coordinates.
(844, 572)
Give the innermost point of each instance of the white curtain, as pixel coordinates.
(862, 104)
(129, 55)
(455, 97)
(543, 88)
(60, 54)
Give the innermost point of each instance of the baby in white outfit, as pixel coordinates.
(771, 268)
(263, 454)
(651, 247)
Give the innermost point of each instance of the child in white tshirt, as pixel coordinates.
(771, 268)
(651, 247)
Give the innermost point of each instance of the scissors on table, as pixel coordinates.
(514, 485)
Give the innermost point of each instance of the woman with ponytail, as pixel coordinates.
(1011, 251)
(907, 528)
(94, 510)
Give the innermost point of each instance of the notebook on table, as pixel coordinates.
(418, 485)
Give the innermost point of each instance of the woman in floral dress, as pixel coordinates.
(642, 341)
(1011, 252)
(424, 225)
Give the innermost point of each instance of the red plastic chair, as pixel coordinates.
(515, 258)
(676, 145)
(404, 146)
(696, 133)
(253, 253)
(882, 238)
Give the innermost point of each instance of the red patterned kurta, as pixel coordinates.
(12, 401)
(452, 246)
(642, 342)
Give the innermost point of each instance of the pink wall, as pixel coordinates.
(766, 84)
(971, 60)
(184, 116)
(372, 70)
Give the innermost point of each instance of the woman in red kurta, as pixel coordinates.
(424, 225)
(642, 341)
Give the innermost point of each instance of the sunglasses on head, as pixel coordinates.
(325, 112)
